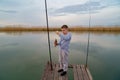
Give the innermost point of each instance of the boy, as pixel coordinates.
(64, 42)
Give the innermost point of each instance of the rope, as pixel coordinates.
(88, 35)
(48, 35)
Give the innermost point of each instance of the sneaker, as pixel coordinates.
(60, 70)
(63, 73)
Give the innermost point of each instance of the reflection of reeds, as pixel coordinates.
(55, 29)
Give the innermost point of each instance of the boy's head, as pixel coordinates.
(64, 29)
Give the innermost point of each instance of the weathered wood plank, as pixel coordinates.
(45, 72)
(89, 75)
(80, 74)
(56, 75)
(63, 77)
(50, 72)
(84, 73)
(59, 77)
(75, 72)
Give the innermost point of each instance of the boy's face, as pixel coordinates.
(64, 30)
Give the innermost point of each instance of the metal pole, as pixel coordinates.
(88, 35)
(48, 35)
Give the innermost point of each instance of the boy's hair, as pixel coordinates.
(65, 26)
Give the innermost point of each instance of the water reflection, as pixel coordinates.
(23, 55)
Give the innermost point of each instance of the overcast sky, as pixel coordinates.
(70, 12)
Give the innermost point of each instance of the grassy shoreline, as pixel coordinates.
(58, 29)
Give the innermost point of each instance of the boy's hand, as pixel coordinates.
(57, 32)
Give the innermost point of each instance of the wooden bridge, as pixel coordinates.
(79, 73)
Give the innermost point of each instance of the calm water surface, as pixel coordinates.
(24, 55)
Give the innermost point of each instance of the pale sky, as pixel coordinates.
(70, 12)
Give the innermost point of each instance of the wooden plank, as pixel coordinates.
(80, 74)
(63, 77)
(50, 72)
(90, 76)
(75, 72)
(84, 73)
(59, 77)
(56, 75)
(45, 72)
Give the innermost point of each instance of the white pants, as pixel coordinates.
(63, 60)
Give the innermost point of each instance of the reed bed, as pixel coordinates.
(58, 29)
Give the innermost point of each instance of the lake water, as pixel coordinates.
(23, 56)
